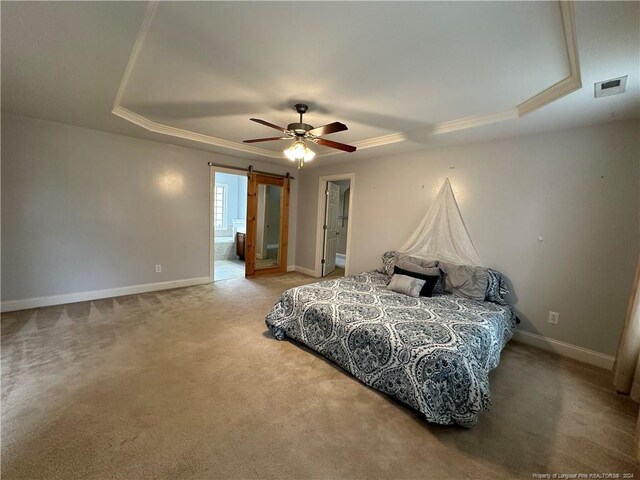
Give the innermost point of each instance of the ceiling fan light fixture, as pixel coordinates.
(308, 154)
(299, 152)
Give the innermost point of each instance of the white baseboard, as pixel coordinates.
(565, 349)
(12, 305)
(306, 271)
(291, 268)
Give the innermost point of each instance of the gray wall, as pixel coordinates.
(578, 189)
(87, 210)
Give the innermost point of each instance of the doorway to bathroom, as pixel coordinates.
(229, 221)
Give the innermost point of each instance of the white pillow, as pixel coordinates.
(405, 284)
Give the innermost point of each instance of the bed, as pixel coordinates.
(433, 354)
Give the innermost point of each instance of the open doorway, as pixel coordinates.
(334, 208)
(343, 222)
(229, 221)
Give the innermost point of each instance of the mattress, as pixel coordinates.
(433, 354)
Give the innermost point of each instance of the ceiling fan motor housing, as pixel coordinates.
(299, 128)
(301, 108)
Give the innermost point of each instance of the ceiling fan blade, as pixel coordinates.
(263, 122)
(327, 129)
(332, 144)
(255, 140)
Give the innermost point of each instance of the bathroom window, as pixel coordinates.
(220, 206)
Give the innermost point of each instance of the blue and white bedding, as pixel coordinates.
(433, 354)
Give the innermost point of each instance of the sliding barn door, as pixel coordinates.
(267, 225)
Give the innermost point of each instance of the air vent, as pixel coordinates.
(610, 87)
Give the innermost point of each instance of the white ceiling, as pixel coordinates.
(381, 68)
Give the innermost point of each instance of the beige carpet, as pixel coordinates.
(187, 383)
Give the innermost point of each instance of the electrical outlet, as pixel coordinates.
(553, 317)
(158, 268)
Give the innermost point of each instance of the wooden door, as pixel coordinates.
(264, 194)
(330, 228)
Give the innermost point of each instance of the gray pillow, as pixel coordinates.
(465, 280)
(407, 285)
(422, 266)
(416, 264)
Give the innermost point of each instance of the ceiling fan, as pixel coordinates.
(301, 132)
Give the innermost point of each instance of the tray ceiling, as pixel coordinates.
(382, 68)
(401, 75)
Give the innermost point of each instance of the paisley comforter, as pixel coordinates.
(433, 354)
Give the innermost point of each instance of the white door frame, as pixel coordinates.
(324, 179)
(212, 183)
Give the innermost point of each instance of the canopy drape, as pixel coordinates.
(442, 234)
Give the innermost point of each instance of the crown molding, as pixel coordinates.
(382, 140)
(472, 122)
(188, 134)
(569, 84)
(371, 143)
(160, 128)
(152, 7)
(565, 86)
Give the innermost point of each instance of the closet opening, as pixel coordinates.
(334, 219)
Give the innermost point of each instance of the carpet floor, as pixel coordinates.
(189, 384)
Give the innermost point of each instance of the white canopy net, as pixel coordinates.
(442, 235)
